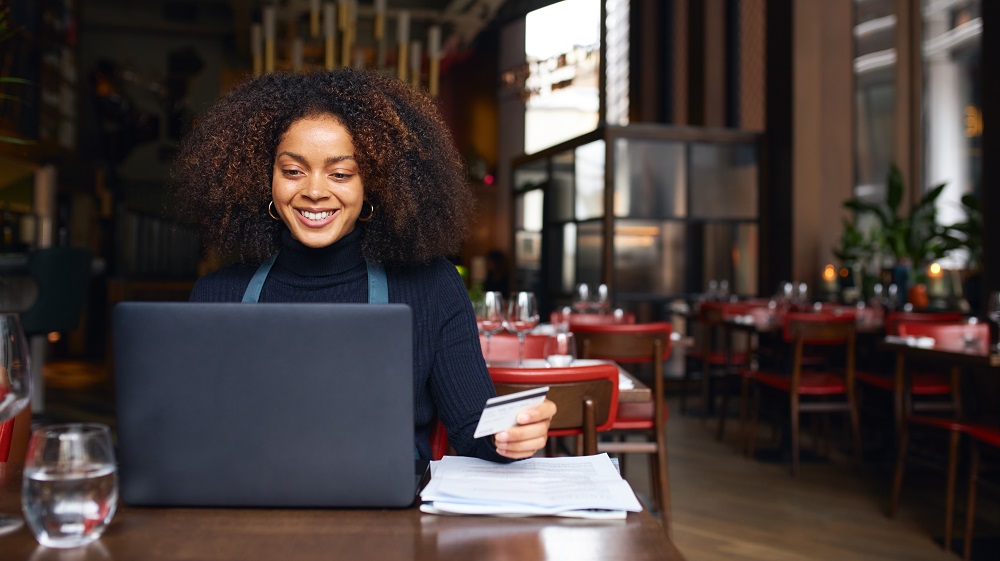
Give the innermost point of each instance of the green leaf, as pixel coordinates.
(894, 194)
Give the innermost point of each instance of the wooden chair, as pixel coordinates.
(952, 425)
(980, 436)
(827, 389)
(586, 397)
(636, 344)
(928, 387)
(712, 356)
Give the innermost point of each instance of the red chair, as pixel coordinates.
(947, 333)
(586, 397)
(588, 318)
(828, 389)
(980, 436)
(893, 319)
(439, 441)
(927, 386)
(636, 344)
(503, 346)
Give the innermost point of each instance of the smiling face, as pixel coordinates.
(315, 184)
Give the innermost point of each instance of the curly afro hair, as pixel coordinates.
(410, 167)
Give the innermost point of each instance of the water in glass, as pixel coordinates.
(70, 488)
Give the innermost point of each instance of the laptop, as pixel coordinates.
(265, 405)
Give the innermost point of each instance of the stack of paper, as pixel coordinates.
(580, 487)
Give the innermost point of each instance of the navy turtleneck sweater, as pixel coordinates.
(450, 380)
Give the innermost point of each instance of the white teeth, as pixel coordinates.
(316, 215)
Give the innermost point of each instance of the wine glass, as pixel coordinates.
(489, 317)
(993, 312)
(15, 385)
(602, 300)
(581, 303)
(560, 349)
(522, 317)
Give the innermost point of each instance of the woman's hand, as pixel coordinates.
(530, 434)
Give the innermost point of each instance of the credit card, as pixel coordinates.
(500, 413)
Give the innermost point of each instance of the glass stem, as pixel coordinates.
(488, 337)
(520, 349)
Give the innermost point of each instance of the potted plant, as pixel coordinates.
(911, 239)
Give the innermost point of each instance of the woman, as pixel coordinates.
(322, 183)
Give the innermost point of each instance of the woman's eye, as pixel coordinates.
(290, 172)
(341, 176)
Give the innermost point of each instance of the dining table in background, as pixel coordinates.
(249, 534)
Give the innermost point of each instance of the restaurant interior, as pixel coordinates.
(769, 213)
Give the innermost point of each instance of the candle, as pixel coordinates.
(830, 279)
(935, 281)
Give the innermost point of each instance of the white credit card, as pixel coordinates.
(500, 413)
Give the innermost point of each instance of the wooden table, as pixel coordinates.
(955, 356)
(302, 535)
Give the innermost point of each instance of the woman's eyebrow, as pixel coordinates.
(330, 160)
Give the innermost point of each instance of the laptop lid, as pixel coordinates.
(266, 405)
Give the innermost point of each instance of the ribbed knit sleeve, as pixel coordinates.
(459, 382)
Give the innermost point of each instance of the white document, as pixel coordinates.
(583, 486)
(500, 413)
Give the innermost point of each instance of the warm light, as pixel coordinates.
(488, 179)
(54, 337)
(829, 273)
(934, 271)
(844, 271)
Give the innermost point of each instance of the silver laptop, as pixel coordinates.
(265, 405)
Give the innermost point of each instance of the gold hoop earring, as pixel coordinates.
(371, 212)
(270, 211)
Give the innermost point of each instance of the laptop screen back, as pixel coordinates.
(266, 405)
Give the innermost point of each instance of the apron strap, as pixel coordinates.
(252, 293)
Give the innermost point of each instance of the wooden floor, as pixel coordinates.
(728, 508)
(725, 507)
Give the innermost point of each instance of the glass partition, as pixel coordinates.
(685, 211)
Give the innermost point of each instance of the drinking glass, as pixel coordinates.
(560, 349)
(602, 300)
(15, 385)
(70, 489)
(561, 319)
(522, 317)
(993, 312)
(581, 302)
(489, 317)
